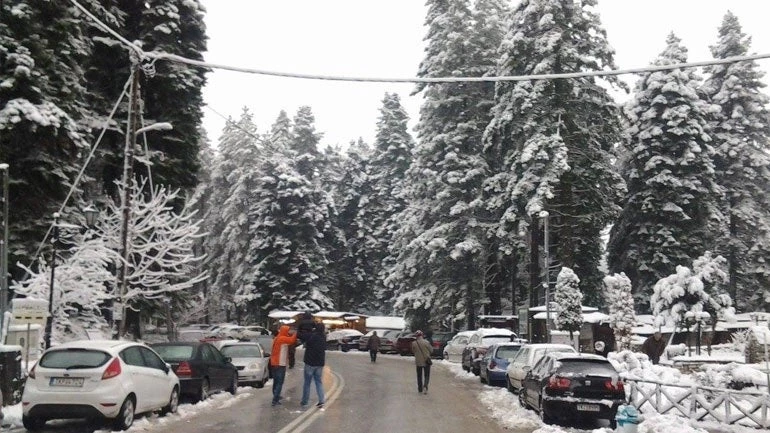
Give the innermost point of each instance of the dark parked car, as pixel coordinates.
(388, 341)
(404, 343)
(201, 368)
(571, 385)
(439, 341)
(363, 341)
(341, 339)
(477, 346)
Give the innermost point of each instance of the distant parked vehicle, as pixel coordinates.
(388, 341)
(526, 358)
(249, 332)
(477, 346)
(439, 341)
(191, 335)
(495, 361)
(95, 379)
(250, 360)
(201, 368)
(569, 385)
(404, 343)
(363, 341)
(453, 351)
(334, 338)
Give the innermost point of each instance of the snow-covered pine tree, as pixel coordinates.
(620, 302)
(670, 212)
(569, 302)
(740, 130)
(382, 198)
(42, 112)
(550, 142)
(227, 224)
(439, 247)
(679, 297)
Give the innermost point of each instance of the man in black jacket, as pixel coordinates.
(315, 359)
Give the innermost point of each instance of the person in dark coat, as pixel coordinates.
(654, 346)
(373, 345)
(315, 359)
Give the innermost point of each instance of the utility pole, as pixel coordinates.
(546, 278)
(128, 182)
(4, 245)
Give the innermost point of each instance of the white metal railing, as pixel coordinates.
(727, 406)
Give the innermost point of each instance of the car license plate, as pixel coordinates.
(67, 381)
(588, 407)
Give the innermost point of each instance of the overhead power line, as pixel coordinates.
(159, 55)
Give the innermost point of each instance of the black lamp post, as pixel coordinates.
(49, 319)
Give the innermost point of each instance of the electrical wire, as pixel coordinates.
(156, 55)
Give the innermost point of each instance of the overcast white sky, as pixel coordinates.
(384, 38)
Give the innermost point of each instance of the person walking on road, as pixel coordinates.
(373, 345)
(315, 359)
(422, 350)
(654, 346)
(279, 359)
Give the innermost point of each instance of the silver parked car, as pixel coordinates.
(453, 351)
(526, 358)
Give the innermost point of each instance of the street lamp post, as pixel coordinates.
(546, 277)
(49, 319)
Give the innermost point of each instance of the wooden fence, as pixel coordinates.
(702, 403)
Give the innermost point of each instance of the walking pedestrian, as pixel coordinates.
(315, 359)
(422, 350)
(279, 359)
(373, 345)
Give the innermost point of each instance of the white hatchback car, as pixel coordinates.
(453, 351)
(526, 358)
(96, 380)
(250, 359)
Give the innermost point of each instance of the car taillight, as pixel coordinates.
(112, 370)
(492, 364)
(184, 369)
(616, 385)
(436, 344)
(555, 382)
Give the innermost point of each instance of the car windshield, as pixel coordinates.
(507, 351)
(174, 353)
(241, 351)
(586, 367)
(74, 358)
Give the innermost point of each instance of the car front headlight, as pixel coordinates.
(253, 366)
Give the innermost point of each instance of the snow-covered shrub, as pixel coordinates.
(620, 302)
(673, 350)
(568, 299)
(739, 340)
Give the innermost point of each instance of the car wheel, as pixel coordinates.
(31, 423)
(126, 415)
(233, 384)
(543, 415)
(523, 400)
(205, 390)
(508, 385)
(173, 403)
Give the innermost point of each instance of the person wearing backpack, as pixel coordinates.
(422, 350)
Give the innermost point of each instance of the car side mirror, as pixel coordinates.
(228, 359)
(166, 367)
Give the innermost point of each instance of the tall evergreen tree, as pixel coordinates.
(552, 141)
(42, 112)
(741, 132)
(383, 199)
(670, 212)
(439, 248)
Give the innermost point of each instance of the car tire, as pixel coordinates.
(233, 388)
(523, 400)
(508, 385)
(173, 403)
(32, 423)
(125, 418)
(205, 389)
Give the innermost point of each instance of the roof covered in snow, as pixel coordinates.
(385, 322)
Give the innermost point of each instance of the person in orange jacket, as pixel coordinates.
(279, 359)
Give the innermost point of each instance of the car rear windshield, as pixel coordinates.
(507, 351)
(75, 358)
(442, 337)
(241, 351)
(587, 367)
(174, 353)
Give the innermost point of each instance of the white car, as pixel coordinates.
(97, 380)
(453, 351)
(526, 358)
(251, 361)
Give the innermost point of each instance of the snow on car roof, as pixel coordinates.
(494, 331)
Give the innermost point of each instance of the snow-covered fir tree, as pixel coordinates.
(671, 210)
(620, 303)
(568, 300)
(550, 142)
(678, 299)
(740, 130)
(439, 250)
(382, 198)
